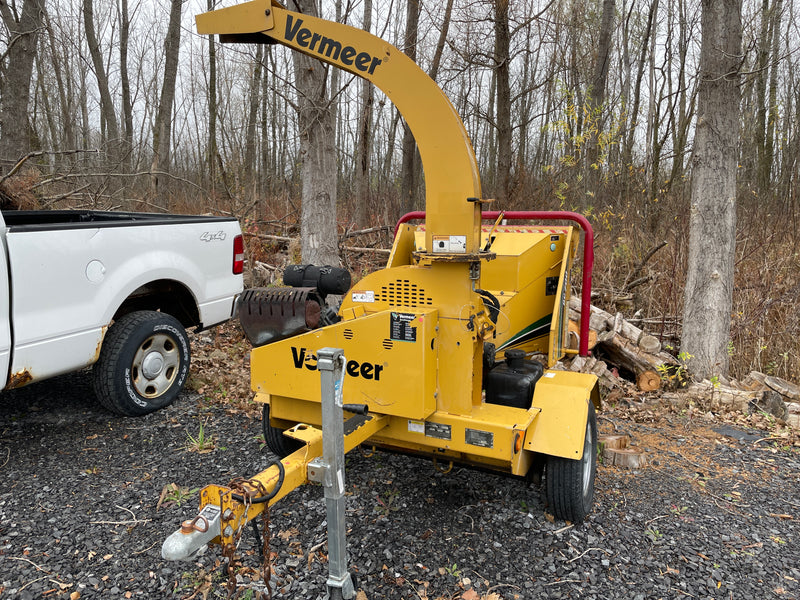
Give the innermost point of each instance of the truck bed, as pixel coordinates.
(45, 220)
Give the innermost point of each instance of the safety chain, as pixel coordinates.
(256, 489)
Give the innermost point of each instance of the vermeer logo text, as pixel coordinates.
(328, 47)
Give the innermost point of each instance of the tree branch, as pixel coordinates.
(29, 155)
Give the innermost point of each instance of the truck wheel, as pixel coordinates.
(143, 364)
(276, 441)
(570, 483)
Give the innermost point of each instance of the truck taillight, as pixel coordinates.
(238, 255)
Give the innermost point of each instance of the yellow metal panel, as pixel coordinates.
(560, 321)
(292, 411)
(488, 431)
(563, 399)
(458, 340)
(352, 313)
(403, 247)
(391, 363)
(250, 17)
(524, 279)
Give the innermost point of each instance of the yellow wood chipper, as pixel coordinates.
(434, 355)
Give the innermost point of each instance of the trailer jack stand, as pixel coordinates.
(329, 469)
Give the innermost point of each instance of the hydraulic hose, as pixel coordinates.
(270, 495)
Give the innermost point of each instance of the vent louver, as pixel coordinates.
(404, 293)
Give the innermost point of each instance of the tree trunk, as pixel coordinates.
(364, 145)
(502, 58)
(437, 56)
(250, 163)
(162, 129)
(772, 117)
(627, 152)
(712, 216)
(62, 76)
(319, 243)
(597, 96)
(762, 74)
(411, 163)
(107, 113)
(127, 108)
(22, 30)
(212, 109)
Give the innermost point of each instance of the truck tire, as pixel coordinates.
(277, 442)
(570, 483)
(143, 364)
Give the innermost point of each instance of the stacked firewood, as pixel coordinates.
(755, 393)
(629, 354)
(624, 357)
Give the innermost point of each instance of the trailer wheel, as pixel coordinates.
(276, 441)
(570, 483)
(143, 364)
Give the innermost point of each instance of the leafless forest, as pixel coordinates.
(585, 106)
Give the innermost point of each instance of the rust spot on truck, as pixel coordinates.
(99, 344)
(19, 379)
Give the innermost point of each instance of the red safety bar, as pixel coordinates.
(556, 215)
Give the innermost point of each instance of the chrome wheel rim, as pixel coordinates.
(587, 459)
(155, 366)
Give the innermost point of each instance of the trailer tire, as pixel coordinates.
(276, 441)
(143, 363)
(570, 483)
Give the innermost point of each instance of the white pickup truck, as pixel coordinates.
(116, 290)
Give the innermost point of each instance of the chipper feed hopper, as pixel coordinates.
(446, 353)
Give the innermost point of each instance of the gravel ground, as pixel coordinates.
(712, 517)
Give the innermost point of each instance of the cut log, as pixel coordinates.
(720, 398)
(793, 414)
(628, 356)
(783, 387)
(754, 381)
(589, 364)
(574, 336)
(600, 321)
(649, 344)
(648, 381)
(612, 441)
(629, 458)
(597, 321)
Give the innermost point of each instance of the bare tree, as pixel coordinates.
(106, 103)
(411, 162)
(250, 168)
(367, 98)
(127, 107)
(212, 107)
(319, 243)
(712, 216)
(502, 68)
(437, 57)
(162, 129)
(633, 110)
(597, 95)
(15, 77)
